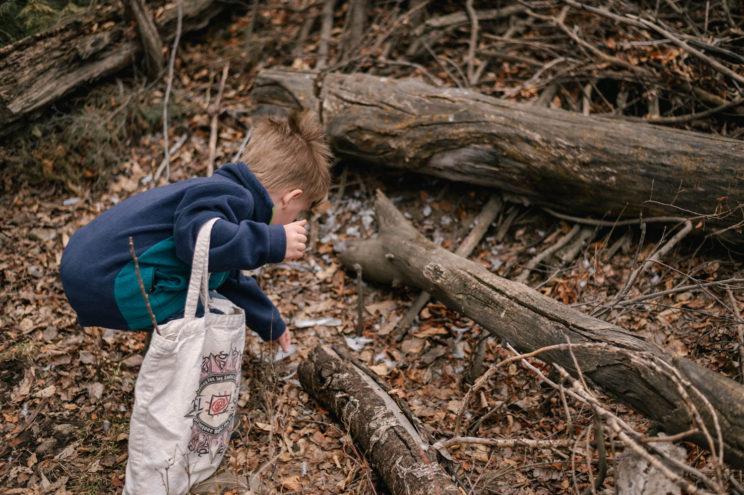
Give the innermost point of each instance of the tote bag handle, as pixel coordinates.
(199, 280)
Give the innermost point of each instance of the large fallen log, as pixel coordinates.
(578, 164)
(38, 70)
(389, 437)
(631, 369)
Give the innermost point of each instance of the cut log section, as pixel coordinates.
(38, 70)
(586, 165)
(528, 320)
(388, 436)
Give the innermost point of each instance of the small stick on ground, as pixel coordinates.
(571, 251)
(480, 226)
(475, 369)
(358, 15)
(360, 299)
(543, 255)
(214, 111)
(169, 86)
(252, 24)
(243, 144)
(681, 288)
(619, 223)
(150, 38)
(507, 223)
(739, 331)
(304, 32)
(546, 97)
(137, 272)
(504, 442)
(601, 450)
(325, 33)
(617, 245)
(473, 16)
(174, 149)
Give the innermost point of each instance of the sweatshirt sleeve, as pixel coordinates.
(236, 244)
(260, 313)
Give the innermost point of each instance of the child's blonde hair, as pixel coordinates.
(290, 153)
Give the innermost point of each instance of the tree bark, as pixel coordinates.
(585, 165)
(636, 476)
(529, 320)
(40, 69)
(388, 435)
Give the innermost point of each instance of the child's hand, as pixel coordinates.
(296, 238)
(285, 340)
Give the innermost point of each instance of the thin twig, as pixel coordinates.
(473, 16)
(360, 299)
(141, 283)
(683, 119)
(243, 144)
(681, 288)
(601, 450)
(739, 331)
(174, 149)
(325, 33)
(504, 442)
(214, 111)
(169, 86)
(619, 223)
(543, 255)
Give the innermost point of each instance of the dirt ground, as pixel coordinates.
(68, 391)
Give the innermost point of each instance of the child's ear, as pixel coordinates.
(289, 196)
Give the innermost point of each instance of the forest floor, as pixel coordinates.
(68, 391)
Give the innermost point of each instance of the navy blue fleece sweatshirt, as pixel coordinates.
(98, 273)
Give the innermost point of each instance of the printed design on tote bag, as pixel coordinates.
(213, 407)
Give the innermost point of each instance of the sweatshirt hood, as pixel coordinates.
(241, 174)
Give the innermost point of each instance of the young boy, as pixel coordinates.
(284, 171)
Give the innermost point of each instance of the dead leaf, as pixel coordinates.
(46, 392)
(383, 307)
(95, 390)
(95, 466)
(454, 405)
(66, 452)
(327, 273)
(26, 325)
(429, 331)
(292, 483)
(381, 369)
(87, 357)
(133, 361)
(412, 345)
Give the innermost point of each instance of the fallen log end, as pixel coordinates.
(387, 437)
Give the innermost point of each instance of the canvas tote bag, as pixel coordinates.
(187, 391)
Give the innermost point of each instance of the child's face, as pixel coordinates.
(288, 205)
